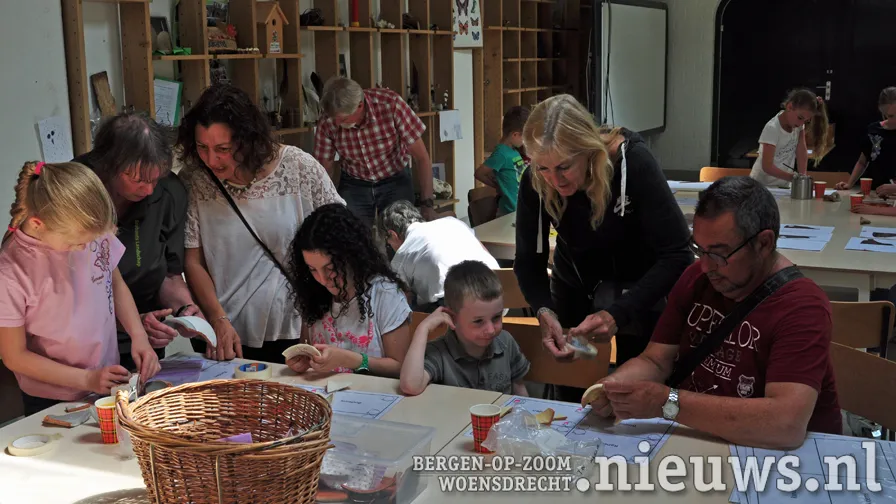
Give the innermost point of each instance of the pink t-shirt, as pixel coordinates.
(64, 300)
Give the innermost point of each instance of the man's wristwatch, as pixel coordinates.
(363, 368)
(427, 202)
(670, 409)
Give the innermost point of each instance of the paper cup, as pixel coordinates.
(856, 200)
(866, 185)
(483, 417)
(105, 412)
(819, 189)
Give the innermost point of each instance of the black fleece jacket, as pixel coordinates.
(647, 246)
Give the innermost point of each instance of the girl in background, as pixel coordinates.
(783, 148)
(60, 290)
(354, 305)
(878, 155)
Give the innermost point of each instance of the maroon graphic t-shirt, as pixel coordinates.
(785, 339)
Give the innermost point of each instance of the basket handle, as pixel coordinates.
(288, 440)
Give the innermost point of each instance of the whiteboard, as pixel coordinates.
(633, 39)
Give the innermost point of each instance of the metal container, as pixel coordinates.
(801, 187)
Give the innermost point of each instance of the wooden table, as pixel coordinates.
(833, 266)
(81, 466)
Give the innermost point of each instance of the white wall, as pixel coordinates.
(686, 144)
(33, 84)
(464, 158)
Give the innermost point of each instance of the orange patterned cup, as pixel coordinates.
(856, 200)
(105, 414)
(819, 189)
(483, 416)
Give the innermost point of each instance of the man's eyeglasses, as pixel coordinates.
(720, 260)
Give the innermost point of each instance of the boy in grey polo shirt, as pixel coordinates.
(476, 353)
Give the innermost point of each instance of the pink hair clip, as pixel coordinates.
(12, 229)
(38, 168)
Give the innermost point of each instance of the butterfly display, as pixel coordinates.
(474, 21)
(463, 28)
(463, 6)
(476, 35)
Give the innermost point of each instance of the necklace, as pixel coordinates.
(241, 188)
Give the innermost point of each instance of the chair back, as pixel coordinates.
(418, 317)
(581, 373)
(712, 173)
(483, 205)
(513, 296)
(866, 384)
(863, 324)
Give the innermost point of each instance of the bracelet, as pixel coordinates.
(222, 317)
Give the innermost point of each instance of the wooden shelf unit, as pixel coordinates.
(531, 51)
(398, 49)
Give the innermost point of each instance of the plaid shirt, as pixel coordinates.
(376, 148)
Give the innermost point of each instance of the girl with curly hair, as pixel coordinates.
(234, 256)
(353, 304)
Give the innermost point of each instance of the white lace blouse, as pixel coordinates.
(251, 288)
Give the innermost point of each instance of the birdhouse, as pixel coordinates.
(271, 23)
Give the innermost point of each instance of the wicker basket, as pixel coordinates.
(176, 431)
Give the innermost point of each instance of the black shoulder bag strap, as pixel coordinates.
(246, 223)
(689, 363)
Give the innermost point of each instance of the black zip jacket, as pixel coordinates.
(646, 246)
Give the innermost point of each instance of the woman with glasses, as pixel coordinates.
(622, 240)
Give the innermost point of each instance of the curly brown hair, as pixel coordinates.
(336, 231)
(250, 129)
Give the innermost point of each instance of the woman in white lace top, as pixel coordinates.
(226, 145)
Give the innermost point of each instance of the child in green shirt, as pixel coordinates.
(504, 168)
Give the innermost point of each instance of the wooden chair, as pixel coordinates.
(482, 206)
(581, 373)
(712, 173)
(832, 178)
(863, 324)
(418, 317)
(866, 384)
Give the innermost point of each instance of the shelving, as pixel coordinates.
(379, 57)
(530, 52)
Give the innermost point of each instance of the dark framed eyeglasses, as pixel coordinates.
(720, 260)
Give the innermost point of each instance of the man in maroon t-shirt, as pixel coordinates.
(771, 379)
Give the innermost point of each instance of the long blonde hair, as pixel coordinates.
(560, 125)
(65, 196)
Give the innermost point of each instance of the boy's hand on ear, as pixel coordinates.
(437, 318)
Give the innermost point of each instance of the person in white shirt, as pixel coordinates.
(782, 144)
(425, 250)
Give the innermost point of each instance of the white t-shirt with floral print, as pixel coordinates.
(249, 285)
(355, 331)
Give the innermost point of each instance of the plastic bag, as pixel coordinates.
(519, 435)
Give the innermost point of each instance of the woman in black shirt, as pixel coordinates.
(132, 156)
(622, 240)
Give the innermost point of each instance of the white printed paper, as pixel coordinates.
(801, 243)
(167, 100)
(871, 245)
(880, 233)
(813, 465)
(356, 403)
(622, 439)
(687, 201)
(449, 126)
(678, 185)
(55, 139)
(817, 232)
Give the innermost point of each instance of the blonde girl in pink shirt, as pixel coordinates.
(60, 289)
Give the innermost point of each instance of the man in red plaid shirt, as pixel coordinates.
(375, 134)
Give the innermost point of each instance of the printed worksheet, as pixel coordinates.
(821, 233)
(812, 465)
(356, 403)
(882, 233)
(801, 243)
(622, 439)
(871, 244)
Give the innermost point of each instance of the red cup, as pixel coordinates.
(819, 189)
(856, 200)
(483, 417)
(105, 413)
(866, 185)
